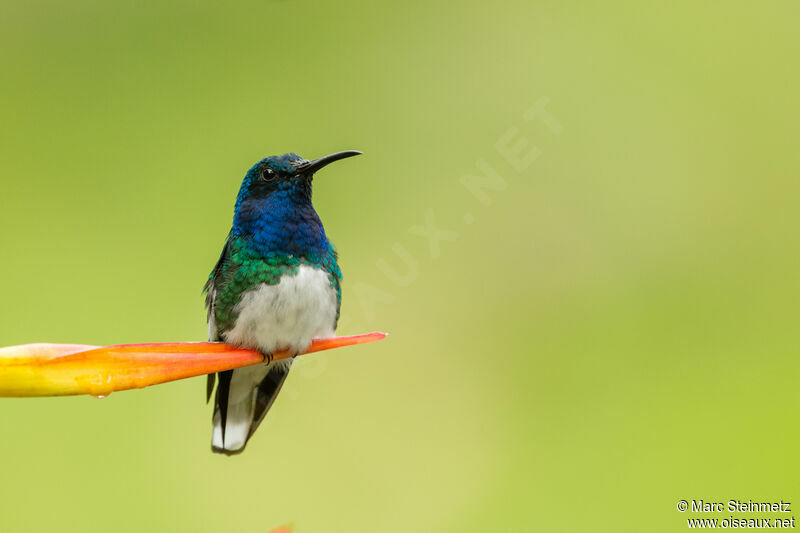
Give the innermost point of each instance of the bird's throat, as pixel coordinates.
(283, 223)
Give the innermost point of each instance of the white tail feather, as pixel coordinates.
(241, 404)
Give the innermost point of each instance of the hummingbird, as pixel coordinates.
(276, 285)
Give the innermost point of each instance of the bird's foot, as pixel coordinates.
(266, 357)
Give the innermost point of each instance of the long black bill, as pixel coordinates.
(312, 166)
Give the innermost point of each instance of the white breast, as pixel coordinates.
(287, 315)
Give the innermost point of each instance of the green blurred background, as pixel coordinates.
(602, 330)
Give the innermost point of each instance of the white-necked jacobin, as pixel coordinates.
(275, 286)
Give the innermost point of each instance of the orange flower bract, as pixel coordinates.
(69, 369)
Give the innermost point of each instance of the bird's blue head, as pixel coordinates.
(274, 210)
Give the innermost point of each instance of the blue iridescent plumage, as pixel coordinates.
(284, 221)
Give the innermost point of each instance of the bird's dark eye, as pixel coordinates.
(268, 174)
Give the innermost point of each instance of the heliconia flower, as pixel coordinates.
(69, 369)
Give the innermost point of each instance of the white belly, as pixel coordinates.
(287, 315)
